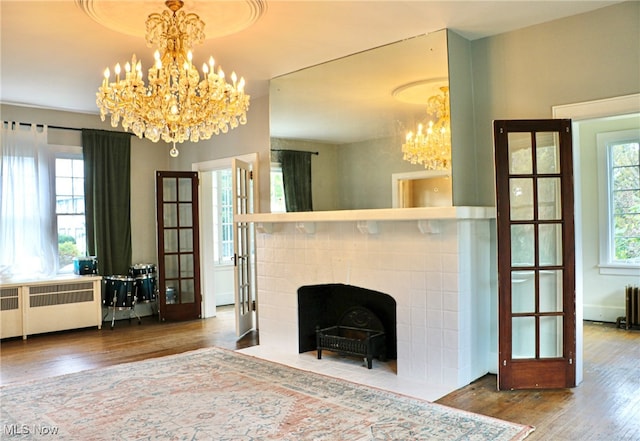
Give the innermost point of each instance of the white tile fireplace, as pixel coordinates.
(437, 263)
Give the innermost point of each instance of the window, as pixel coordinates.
(70, 219)
(277, 189)
(619, 158)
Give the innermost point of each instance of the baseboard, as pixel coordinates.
(601, 313)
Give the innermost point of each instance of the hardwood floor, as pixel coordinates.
(72, 351)
(606, 406)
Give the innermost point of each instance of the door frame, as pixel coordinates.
(207, 277)
(579, 112)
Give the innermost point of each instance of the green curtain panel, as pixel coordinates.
(107, 172)
(296, 178)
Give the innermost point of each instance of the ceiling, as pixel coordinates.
(53, 52)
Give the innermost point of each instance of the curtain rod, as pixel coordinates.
(42, 125)
(76, 129)
(299, 151)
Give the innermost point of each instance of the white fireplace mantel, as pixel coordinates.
(378, 214)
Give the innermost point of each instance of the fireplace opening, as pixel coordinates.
(322, 306)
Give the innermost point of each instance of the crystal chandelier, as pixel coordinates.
(177, 104)
(432, 147)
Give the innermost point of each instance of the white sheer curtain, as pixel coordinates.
(28, 245)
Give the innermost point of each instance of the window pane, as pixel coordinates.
(625, 154)
(522, 245)
(186, 265)
(626, 178)
(523, 334)
(186, 218)
(626, 237)
(171, 267)
(78, 168)
(184, 189)
(547, 152)
(186, 240)
(78, 187)
(521, 198)
(64, 186)
(523, 291)
(63, 167)
(187, 291)
(170, 215)
(170, 241)
(169, 190)
(550, 337)
(626, 201)
(549, 201)
(550, 243)
(520, 153)
(551, 291)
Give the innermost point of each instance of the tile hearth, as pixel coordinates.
(382, 375)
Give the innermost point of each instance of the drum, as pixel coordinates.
(117, 291)
(145, 286)
(141, 269)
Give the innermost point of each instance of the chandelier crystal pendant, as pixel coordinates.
(432, 147)
(176, 104)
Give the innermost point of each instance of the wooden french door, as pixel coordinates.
(536, 254)
(179, 296)
(243, 203)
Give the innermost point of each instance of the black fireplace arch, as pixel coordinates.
(323, 305)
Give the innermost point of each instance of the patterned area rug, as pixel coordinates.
(216, 394)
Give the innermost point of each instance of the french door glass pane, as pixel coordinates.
(551, 291)
(187, 291)
(550, 244)
(523, 291)
(184, 189)
(170, 241)
(550, 337)
(186, 217)
(170, 215)
(522, 245)
(171, 266)
(523, 334)
(186, 240)
(169, 191)
(521, 195)
(549, 202)
(186, 265)
(547, 152)
(520, 150)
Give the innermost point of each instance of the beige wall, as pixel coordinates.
(522, 74)
(364, 172)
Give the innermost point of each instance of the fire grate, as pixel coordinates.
(359, 332)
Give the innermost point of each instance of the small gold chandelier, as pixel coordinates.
(433, 146)
(176, 105)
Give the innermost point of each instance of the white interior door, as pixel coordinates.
(243, 203)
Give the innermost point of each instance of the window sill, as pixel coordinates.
(620, 270)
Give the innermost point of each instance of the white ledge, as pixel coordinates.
(381, 214)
